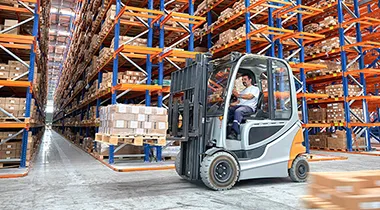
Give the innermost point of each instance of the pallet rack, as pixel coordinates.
(279, 36)
(21, 48)
(150, 17)
(283, 31)
(349, 23)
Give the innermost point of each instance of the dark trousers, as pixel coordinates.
(236, 114)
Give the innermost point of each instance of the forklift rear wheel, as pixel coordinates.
(177, 164)
(219, 171)
(299, 170)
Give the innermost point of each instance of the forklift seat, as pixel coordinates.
(258, 113)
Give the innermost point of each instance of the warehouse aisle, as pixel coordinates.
(65, 177)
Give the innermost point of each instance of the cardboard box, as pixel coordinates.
(17, 153)
(21, 107)
(4, 67)
(21, 113)
(319, 140)
(9, 146)
(2, 101)
(7, 154)
(12, 101)
(4, 75)
(11, 108)
(158, 118)
(13, 74)
(9, 23)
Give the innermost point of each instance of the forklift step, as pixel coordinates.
(157, 140)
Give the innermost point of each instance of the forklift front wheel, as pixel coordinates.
(219, 171)
(177, 163)
(299, 170)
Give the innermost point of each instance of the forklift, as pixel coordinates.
(271, 142)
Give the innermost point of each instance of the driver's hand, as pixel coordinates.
(234, 91)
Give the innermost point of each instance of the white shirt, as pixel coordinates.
(255, 91)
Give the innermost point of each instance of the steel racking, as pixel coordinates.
(278, 36)
(349, 23)
(29, 13)
(282, 32)
(150, 18)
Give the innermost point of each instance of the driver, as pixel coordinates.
(246, 103)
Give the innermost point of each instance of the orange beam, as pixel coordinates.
(368, 98)
(316, 125)
(14, 9)
(16, 46)
(308, 66)
(330, 100)
(13, 125)
(312, 95)
(137, 87)
(10, 83)
(350, 125)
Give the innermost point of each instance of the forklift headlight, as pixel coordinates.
(220, 118)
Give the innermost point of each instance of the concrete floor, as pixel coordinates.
(65, 177)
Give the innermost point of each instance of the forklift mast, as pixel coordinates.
(188, 101)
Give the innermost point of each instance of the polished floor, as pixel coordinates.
(65, 177)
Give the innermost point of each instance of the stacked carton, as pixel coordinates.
(9, 23)
(319, 140)
(359, 142)
(337, 90)
(135, 42)
(104, 55)
(12, 69)
(14, 106)
(12, 148)
(312, 28)
(335, 112)
(337, 140)
(130, 120)
(127, 77)
(328, 22)
(8, 149)
(358, 112)
(326, 45)
(317, 114)
(357, 190)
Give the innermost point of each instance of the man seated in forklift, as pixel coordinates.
(246, 103)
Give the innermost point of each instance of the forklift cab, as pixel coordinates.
(276, 105)
(271, 137)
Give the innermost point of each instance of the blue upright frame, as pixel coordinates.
(28, 92)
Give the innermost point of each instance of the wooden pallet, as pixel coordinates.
(318, 121)
(333, 72)
(335, 121)
(336, 149)
(9, 165)
(169, 158)
(317, 203)
(131, 140)
(318, 148)
(335, 96)
(9, 119)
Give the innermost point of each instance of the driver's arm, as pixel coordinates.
(235, 103)
(248, 96)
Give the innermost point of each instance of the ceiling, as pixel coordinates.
(62, 15)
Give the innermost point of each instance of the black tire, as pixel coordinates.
(177, 164)
(299, 171)
(219, 171)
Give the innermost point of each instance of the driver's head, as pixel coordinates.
(246, 79)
